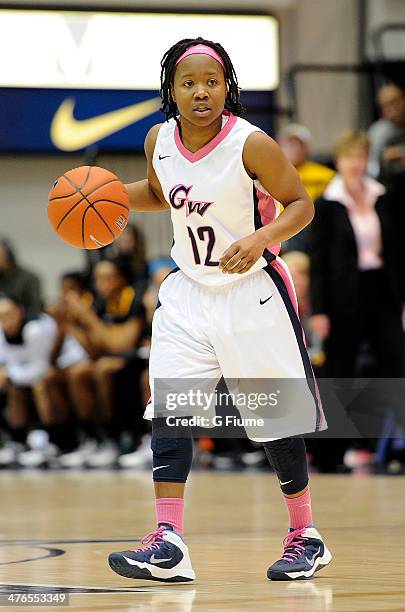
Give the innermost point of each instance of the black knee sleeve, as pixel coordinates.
(289, 460)
(172, 452)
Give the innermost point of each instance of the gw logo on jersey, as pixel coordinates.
(178, 197)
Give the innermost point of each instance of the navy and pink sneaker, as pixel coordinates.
(166, 558)
(304, 554)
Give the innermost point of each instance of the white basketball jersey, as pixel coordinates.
(213, 200)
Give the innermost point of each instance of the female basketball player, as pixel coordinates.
(216, 171)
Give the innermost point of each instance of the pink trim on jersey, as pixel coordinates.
(210, 146)
(278, 264)
(268, 211)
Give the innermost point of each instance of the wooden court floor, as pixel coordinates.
(57, 528)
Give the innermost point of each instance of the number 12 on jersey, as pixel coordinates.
(203, 233)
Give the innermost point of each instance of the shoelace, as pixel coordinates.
(293, 545)
(154, 539)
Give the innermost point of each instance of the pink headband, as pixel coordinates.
(201, 50)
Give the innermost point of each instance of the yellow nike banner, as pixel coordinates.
(70, 134)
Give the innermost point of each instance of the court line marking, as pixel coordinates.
(51, 552)
(74, 589)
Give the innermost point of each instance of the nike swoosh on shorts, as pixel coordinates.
(70, 134)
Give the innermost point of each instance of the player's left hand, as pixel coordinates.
(242, 254)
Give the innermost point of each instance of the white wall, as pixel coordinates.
(381, 12)
(385, 11)
(322, 32)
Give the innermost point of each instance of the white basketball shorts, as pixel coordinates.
(245, 330)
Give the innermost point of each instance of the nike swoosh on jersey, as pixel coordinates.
(286, 482)
(70, 134)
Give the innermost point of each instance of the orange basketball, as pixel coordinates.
(88, 207)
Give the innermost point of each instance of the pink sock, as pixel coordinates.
(170, 510)
(299, 510)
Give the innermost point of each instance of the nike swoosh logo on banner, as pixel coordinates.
(160, 467)
(70, 134)
(264, 301)
(154, 560)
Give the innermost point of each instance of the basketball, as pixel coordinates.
(88, 207)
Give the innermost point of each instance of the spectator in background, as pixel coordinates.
(18, 282)
(299, 265)
(357, 265)
(53, 395)
(325, 454)
(158, 270)
(357, 290)
(130, 248)
(110, 329)
(387, 135)
(25, 349)
(295, 142)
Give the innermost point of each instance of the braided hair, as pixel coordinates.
(168, 64)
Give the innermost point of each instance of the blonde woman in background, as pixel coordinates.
(357, 265)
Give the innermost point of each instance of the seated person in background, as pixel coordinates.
(18, 282)
(158, 270)
(387, 135)
(25, 350)
(130, 248)
(53, 395)
(295, 142)
(110, 329)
